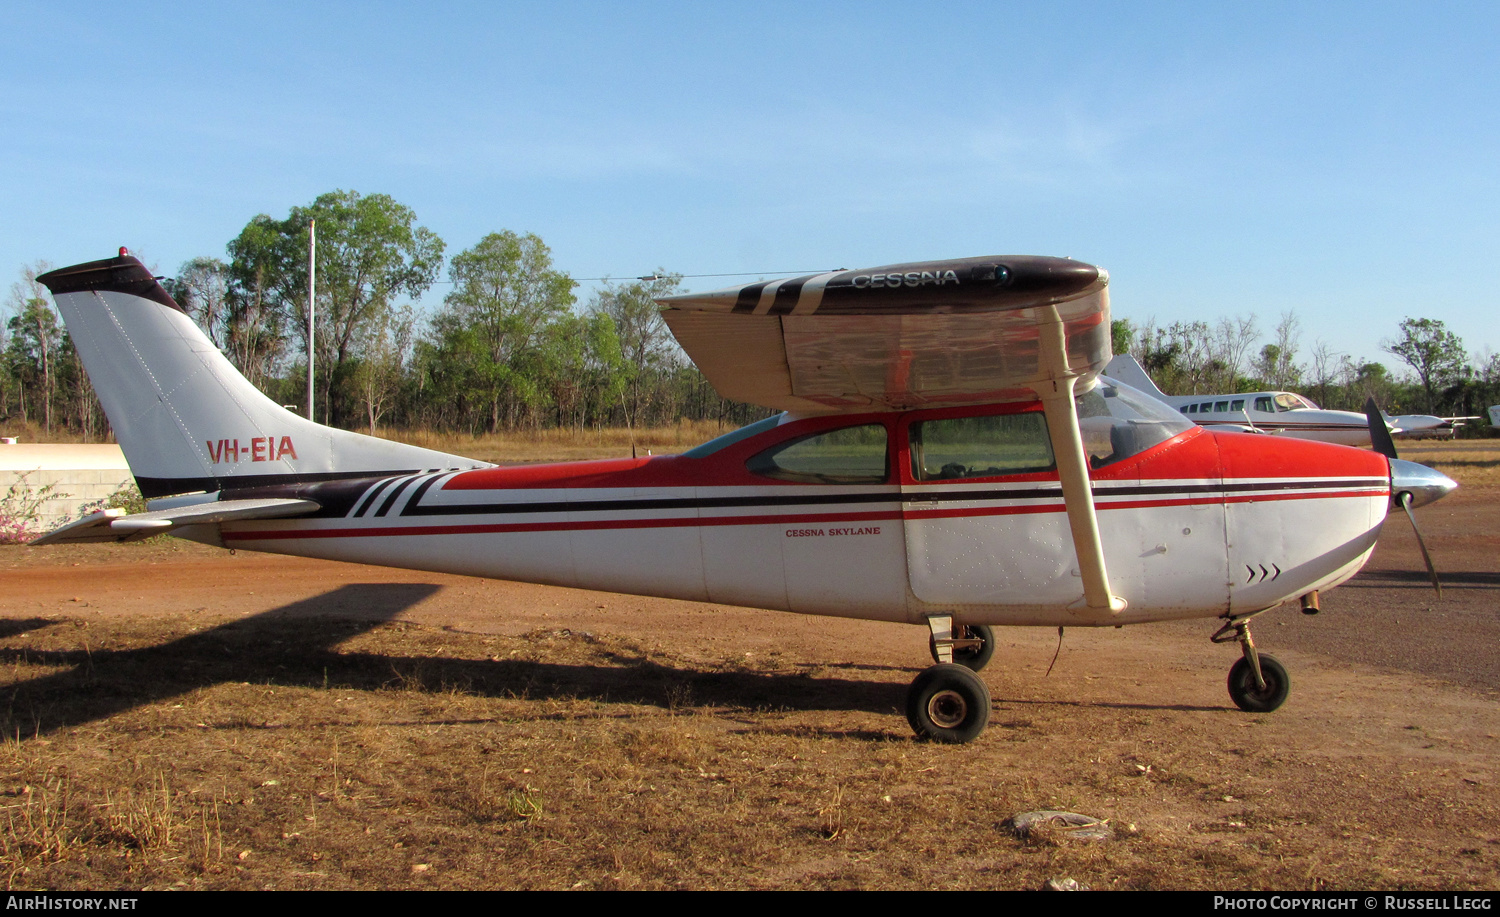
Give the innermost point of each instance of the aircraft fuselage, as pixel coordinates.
(1202, 524)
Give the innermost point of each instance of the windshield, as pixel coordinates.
(1287, 401)
(1118, 421)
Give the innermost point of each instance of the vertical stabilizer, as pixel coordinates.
(1127, 369)
(184, 416)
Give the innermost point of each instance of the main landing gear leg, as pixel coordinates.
(1258, 683)
(968, 645)
(948, 702)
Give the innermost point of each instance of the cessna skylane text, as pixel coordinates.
(948, 456)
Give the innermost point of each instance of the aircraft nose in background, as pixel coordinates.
(1426, 485)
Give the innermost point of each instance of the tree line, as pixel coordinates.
(512, 347)
(1439, 376)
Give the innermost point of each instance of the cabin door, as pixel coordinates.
(984, 514)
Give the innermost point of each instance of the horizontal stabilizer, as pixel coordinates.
(116, 525)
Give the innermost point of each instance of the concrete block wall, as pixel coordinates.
(80, 474)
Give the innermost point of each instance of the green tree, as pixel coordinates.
(1277, 365)
(494, 329)
(381, 368)
(1121, 333)
(370, 252)
(201, 288)
(649, 351)
(260, 262)
(36, 340)
(1433, 352)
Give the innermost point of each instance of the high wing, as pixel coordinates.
(115, 525)
(924, 334)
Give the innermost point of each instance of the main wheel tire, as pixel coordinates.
(975, 658)
(1247, 696)
(948, 703)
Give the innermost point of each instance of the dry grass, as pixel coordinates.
(32, 432)
(1470, 462)
(555, 760)
(555, 445)
(565, 445)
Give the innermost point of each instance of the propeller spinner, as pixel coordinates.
(1412, 485)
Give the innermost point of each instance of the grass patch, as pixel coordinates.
(572, 763)
(1470, 462)
(565, 444)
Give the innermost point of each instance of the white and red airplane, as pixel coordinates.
(1281, 413)
(949, 457)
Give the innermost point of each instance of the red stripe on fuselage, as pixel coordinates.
(594, 525)
(780, 518)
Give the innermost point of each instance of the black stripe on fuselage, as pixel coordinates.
(416, 495)
(923, 497)
(369, 497)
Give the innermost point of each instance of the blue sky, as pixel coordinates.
(1336, 159)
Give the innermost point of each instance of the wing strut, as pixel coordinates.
(1072, 466)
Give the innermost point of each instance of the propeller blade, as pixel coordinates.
(1405, 499)
(1380, 434)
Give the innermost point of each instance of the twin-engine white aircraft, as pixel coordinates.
(1280, 413)
(949, 458)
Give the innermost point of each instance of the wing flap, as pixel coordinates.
(116, 525)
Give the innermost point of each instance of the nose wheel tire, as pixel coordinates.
(1249, 696)
(948, 703)
(972, 658)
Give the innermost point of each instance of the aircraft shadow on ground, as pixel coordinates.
(13, 627)
(1385, 579)
(297, 645)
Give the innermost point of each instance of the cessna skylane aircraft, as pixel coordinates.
(1280, 413)
(948, 457)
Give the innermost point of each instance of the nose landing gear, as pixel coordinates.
(1258, 683)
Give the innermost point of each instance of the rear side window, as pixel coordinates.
(980, 447)
(848, 455)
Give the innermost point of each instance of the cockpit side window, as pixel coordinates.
(980, 447)
(847, 455)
